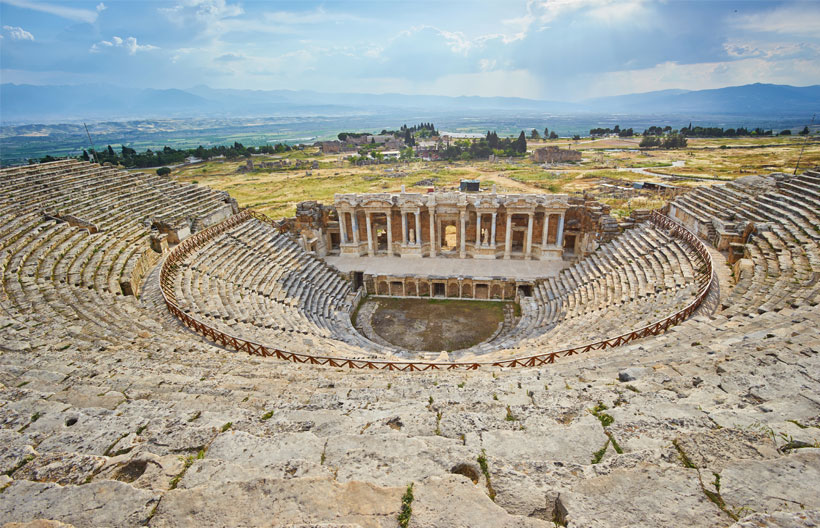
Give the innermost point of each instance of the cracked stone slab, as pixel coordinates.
(645, 496)
(105, 503)
(15, 449)
(61, 468)
(280, 503)
(395, 459)
(716, 448)
(800, 519)
(786, 483)
(454, 501)
(574, 443)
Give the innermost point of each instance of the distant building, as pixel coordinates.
(428, 154)
(329, 147)
(554, 154)
(379, 138)
(394, 144)
(469, 186)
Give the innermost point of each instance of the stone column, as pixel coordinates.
(477, 230)
(355, 229)
(418, 228)
(462, 236)
(433, 237)
(369, 234)
(492, 231)
(389, 215)
(528, 247)
(404, 228)
(343, 227)
(546, 228)
(508, 240)
(559, 239)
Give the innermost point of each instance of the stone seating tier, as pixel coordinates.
(113, 414)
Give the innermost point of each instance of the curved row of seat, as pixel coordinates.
(69, 276)
(781, 214)
(256, 283)
(252, 282)
(113, 414)
(640, 277)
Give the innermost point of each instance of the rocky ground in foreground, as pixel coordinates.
(714, 423)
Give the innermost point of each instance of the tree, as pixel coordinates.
(163, 171)
(85, 155)
(805, 131)
(673, 141)
(553, 135)
(492, 140)
(534, 134)
(521, 143)
(649, 142)
(546, 133)
(786, 132)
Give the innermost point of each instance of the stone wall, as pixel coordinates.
(555, 155)
(130, 283)
(443, 287)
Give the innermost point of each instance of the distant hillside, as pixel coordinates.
(29, 103)
(751, 99)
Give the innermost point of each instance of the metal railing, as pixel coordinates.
(171, 266)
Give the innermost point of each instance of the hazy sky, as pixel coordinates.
(554, 49)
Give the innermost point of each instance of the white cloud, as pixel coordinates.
(201, 12)
(486, 64)
(499, 83)
(71, 13)
(317, 16)
(129, 44)
(18, 33)
(230, 57)
(701, 76)
(746, 49)
(101, 7)
(802, 18)
(608, 11)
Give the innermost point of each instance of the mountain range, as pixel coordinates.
(23, 103)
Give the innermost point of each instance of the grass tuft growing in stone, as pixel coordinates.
(406, 507)
(684, 458)
(510, 417)
(485, 469)
(598, 455)
(598, 412)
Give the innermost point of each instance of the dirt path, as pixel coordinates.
(509, 183)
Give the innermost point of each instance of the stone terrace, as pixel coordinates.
(113, 414)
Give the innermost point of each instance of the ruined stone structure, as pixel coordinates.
(117, 410)
(554, 154)
(726, 214)
(455, 224)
